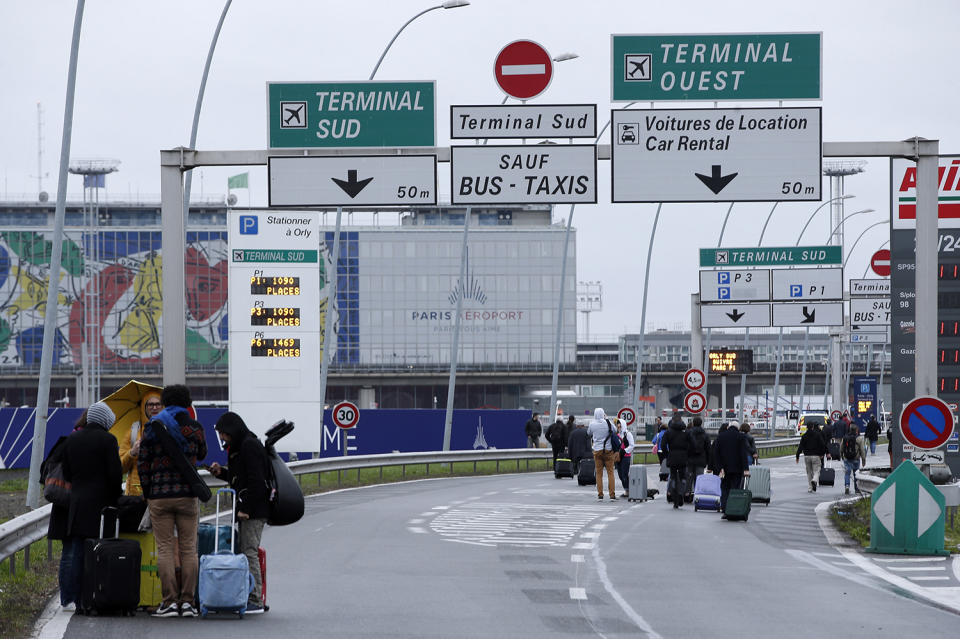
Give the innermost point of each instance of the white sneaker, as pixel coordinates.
(168, 610)
(68, 607)
(187, 610)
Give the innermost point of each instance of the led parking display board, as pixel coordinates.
(725, 361)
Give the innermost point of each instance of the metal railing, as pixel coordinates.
(18, 534)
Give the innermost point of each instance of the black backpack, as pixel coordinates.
(698, 436)
(615, 443)
(849, 447)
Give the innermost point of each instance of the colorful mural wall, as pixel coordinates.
(110, 294)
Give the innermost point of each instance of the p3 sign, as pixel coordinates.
(345, 415)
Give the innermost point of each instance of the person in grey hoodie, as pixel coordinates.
(604, 454)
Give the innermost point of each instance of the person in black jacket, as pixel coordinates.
(555, 435)
(731, 453)
(814, 447)
(679, 445)
(247, 473)
(91, 463)
(699, 457)
(533, 430)
(579, 446)
(872, 433)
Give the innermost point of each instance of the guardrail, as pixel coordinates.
(18, 534)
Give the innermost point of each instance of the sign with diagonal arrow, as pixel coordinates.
(716, 155)
(808, 314)
(352, 181)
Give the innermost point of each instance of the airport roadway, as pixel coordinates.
(530, 556)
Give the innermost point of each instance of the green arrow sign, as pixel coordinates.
(350, 114)
(739, 66)
(907, 514)
(771, 256)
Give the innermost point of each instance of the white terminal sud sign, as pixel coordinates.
(808, 314)
(352, 181)
(870, 287)
(734, 315)
(275, 322)
(523, 121)
(735, 285)
(807, 284)
(716, 155)
(870, 311)
(564, 174)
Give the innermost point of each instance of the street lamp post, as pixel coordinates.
(451, 4)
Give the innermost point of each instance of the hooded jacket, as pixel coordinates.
(246, 470)
(600, 430)
(678, 443)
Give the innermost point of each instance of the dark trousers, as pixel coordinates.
(71, 570)
(728, 481)
(557, 451)
(623, 469)
(678, 476)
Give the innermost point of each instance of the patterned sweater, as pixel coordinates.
(159, 477)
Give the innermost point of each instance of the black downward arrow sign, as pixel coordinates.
(809, 317)
(735, 315)
(715, 182)
(352, 186)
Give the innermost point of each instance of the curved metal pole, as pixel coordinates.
(395, 35)
(859, 237)
(56, 255)
(455, 345)
(706, 363)
(769, 215)
(817, 210)
(188, 182)
(845, 218)
(723, 228)
(643, 313)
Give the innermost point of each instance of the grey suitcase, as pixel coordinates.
(637, 485)
(758, 483)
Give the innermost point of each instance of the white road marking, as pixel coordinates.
(429, 513)
(610, 518)
(441, 508)
(915, 568)
(536, 525)
(912, 559)
(417, 529)
(928, 578)
(583, 546)
(828, 554)
(598, 526)
(589, 535)
(578, 593)
(577, 559)
(416, 521)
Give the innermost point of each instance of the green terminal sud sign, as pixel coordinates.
(738, 66)
(350, 114)
(771, 256)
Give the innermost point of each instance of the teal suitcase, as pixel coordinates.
(738, 504)
(758, 483)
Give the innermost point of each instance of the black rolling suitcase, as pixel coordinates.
(564, 467)
(587, 473)
(111, 573)
(827, 476)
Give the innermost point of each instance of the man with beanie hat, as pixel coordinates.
(172, 503)
(91, 463)
(246, 472)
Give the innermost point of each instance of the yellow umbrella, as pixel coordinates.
(127, 405)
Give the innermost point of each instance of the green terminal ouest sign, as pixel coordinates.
(771, 256)
(350, 114)
(736, 66)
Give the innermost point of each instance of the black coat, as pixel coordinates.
(579, 444)
(731, 451)
(555, 434)
(873, 430)
(57, 526)
(533, 428)
(679, 445)
(699, 455)
(246, 469)
(91, 463)
(812, 443)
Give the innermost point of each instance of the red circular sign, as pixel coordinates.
(694, 379)
(926, 422)
(694, 402)
(627, 415)
(523, 69)
(880, 263)
(835, 415)
(345, 415)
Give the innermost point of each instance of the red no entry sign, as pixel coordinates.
(880, 263)
(523, 69)
(345, 415)
(926, 422)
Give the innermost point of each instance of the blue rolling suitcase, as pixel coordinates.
(706, 493)
(225, 579)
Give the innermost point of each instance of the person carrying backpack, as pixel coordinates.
(872, 434)
(854, 454)
(699, 457)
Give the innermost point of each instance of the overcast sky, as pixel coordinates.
(888, 74)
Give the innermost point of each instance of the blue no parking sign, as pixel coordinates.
(926, 422)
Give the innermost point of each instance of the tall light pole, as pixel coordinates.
(817, 210)
(451, 4)
(841, 223)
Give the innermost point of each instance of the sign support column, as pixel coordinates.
(928, 152)
(455, 346)
(329, 344)
(643, 312)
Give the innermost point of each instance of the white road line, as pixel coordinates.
(928, 578)
(441, 508)
(578, 593)
(417, 529)
(912, 559)
(828, 554)
(598, 526)
(589, 535)
(843, 564)
(577, 559)
(583, 546)
(429, 513)
(610, 518)
(416, 521)
(523, 69)
(915, 568)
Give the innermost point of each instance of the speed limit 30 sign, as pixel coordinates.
(345, 415)
(627, 415)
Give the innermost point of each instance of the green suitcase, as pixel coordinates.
(738, 504)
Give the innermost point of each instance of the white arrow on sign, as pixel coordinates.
(734, 315)
(808, 314)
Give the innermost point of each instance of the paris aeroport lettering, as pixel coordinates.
(473, 316)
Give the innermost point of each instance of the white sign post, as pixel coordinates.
(274, 323)
(716, 155)
(564, 174)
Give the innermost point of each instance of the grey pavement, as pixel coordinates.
(530, 556)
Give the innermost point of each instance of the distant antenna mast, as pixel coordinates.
(41, 194)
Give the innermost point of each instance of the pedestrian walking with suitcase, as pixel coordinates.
(679, 445)
(813, 448)
(579, 446)
(854, 455)
(627, 443)
(556, 439)
(247, 473)
(731, 459)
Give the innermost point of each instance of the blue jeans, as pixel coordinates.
(850, 466)
(71, 570)
(873, 447)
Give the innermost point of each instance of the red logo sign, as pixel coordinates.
(694, 379)
(523, 69)
(694, 402)
(880, 263)
(345, 415)
(926, 422)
